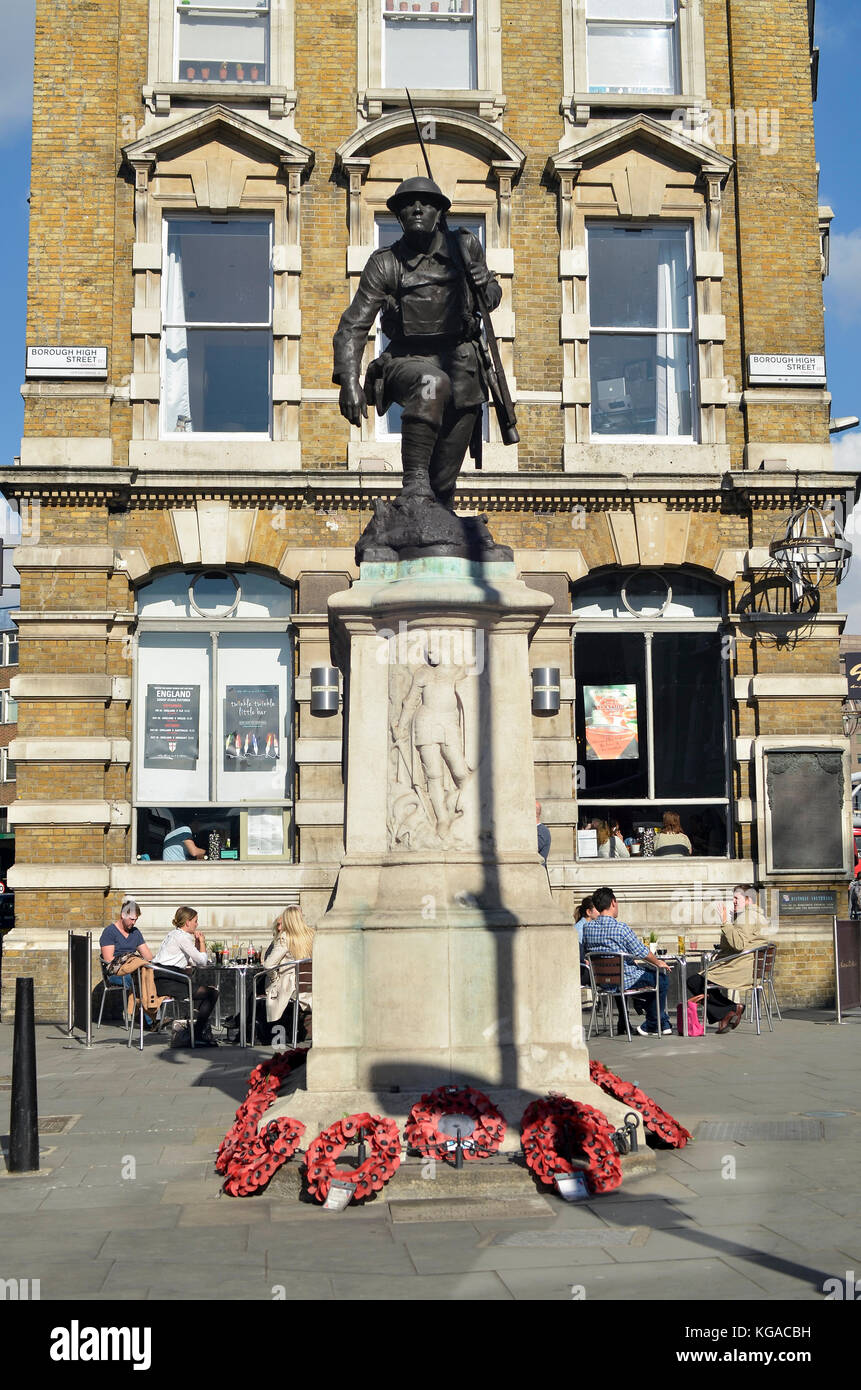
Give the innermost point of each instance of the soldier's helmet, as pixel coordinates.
(410, 188)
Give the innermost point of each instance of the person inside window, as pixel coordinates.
(179, 844)
(672, 839)
(182, 949)
(610, 842)
(543, 834)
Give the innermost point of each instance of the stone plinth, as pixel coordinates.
(442, 956)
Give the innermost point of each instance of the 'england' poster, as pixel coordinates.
(172, 730)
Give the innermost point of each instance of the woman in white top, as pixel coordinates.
(292, 939)
(610, 844)
(182, 949)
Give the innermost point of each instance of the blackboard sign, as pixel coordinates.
(171, 732)
(806, 799)
(80, 982)
(847, 964)
(251, 728)
(808, 902)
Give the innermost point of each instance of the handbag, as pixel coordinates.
(695, 1027)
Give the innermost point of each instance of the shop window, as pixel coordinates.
(387, 231)
(632, 46)
(217, 317)
(429, 43)
(641, 338)
(651, 721)
(214, 699)
(222, 41)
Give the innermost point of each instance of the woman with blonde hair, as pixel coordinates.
(292, 939)
(610, 842)
(183, 948)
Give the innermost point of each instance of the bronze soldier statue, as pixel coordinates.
(433, 365)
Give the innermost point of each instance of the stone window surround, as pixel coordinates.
(162, 88)
(487, 100)
(640, 134)
(579, 105)
(763, 744)
(219, 192)
(367, 199)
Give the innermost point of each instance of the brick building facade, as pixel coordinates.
(644, 180)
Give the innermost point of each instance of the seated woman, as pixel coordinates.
(182, 949)
(292, 939)
(585, 913)
(672, 839)
(610, 842)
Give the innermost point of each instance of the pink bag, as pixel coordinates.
(695, 1027)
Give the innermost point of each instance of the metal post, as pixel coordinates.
(24, 1112)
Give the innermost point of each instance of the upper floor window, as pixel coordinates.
(8, 708)
(8, 771)
(429, 43)
(217, 321)
(632, 46)
(8, 649)
(641, 339)
(222, 41)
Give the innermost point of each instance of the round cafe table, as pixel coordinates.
(229, 979)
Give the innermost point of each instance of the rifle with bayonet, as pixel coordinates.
(487, 345)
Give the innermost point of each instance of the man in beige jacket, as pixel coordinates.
(744, 927)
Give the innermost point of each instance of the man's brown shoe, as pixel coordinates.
(735, 1018)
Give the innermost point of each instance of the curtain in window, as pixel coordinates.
(672, 365)
(177, 400)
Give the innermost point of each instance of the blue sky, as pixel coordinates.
(838, 30)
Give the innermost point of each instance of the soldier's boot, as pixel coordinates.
(418, 441)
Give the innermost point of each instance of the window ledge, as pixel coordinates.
(577, 108)
(158, 98)
(486, 104)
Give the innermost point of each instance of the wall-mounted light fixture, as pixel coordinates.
(545, 690)
(812, 552)
(325, 690)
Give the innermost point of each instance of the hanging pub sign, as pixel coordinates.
(171, 733)
(251, 728)
(785, 369)
(611, 722)
(43, 360)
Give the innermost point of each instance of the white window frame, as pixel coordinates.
(604, 330)
(633, 21)
(5, 645)
(164, 86)
(8, 714)
(579, 104)
(210, 742)
(405, 13)
(5, 762)
(167, 325)
(232, 9)
(485, 98)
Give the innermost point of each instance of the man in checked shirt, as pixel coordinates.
(605, 935)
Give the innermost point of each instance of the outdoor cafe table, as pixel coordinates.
(229, 979)
(677, 992)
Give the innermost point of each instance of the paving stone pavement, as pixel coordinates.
(128, 1200)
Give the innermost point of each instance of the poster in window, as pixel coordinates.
(611, 722)
(251, 728)
(172, 727)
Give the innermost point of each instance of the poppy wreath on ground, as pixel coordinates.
(422, 1131)
(557, 1123)
(264, 1084)
(253, 1162)
(321, 1160)
(655, 1120)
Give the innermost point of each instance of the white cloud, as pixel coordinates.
(847, 451)
(843, 286)
(16, 69)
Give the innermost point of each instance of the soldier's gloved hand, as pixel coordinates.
(351, 401)
(480, 273)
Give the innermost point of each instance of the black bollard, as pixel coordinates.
(24, 1112)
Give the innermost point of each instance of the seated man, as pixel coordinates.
(744, 927)
(605, 935)
(120, 938)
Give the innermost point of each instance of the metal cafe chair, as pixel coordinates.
(762, 967)
(608, 976)
(137, 1013)
(301, 970)
(108, 987)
